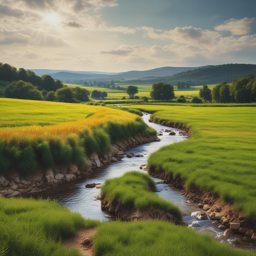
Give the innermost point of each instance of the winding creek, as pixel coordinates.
(76, 197)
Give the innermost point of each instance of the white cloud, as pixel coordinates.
(74, 6)
(6, 10)
(182, 34)
(123, 50)
(237, 27)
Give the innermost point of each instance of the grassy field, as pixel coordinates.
(134, 189)
(219, 157)
(32, 227)
(144, 91)
(156, 238)
(29, 146)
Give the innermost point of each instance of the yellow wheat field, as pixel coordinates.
(24, 114)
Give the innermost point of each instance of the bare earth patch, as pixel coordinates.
(75, 242)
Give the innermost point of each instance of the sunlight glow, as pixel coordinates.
(53, 19)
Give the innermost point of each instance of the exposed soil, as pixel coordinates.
(126, 213)
(75, 242)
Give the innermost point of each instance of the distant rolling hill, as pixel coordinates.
(157, 72)
(65, 75)
(207, 75)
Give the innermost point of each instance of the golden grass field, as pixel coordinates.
(27, 118)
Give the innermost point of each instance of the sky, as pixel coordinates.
(122, 35)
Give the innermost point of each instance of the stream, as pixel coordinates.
(78, 198)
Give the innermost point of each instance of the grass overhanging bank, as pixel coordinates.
(220, 157)
(35, 135)
(156, 238)
(32, 227)
(131, 197)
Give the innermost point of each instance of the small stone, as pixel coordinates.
(234, 225)
(228, 232)
(59, 176)
(14, 187)
(222, 227)
(15, 193)
(130, 155)
(172, 133)
(86, 242)
(206, 207)
(139, 156)
(70, 176)
(200, 205)
(200, 215)
(253, 237)
(35, 190)
(114, 159)
(98, 186)
(90, 185)
(225, 221)
(241, 230)
(215, 216)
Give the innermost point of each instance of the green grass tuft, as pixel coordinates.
(135, 189)
(153, 238)
(32, 227)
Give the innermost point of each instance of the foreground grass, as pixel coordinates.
(32, 227)
(32, 147)
(153, 238)
(134, 189)
(220, 156)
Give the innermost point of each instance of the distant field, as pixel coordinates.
(220, 156)
(144, 91)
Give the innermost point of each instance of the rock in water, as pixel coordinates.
(90, 185)
(200, 215)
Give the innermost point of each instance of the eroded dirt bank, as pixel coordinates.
(126, 213)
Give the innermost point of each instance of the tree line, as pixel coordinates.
(241, 91)
(25, 84)
(110, 85)
(46, 82)
(185, 85)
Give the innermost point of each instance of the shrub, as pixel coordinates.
(196, 100)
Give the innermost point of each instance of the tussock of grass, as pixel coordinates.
(32, 227)
(134, 189)
(219, 157)
(29, 148)
(153, 238)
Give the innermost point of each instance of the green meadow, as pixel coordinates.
(155, 238)
(32, 227)
(135, 190)
(220, 157)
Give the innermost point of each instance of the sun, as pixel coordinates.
(52, 19)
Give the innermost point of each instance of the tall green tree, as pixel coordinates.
(205, 93)
(81, 94)
(162, 91)
(132, 90)
(22, 90)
